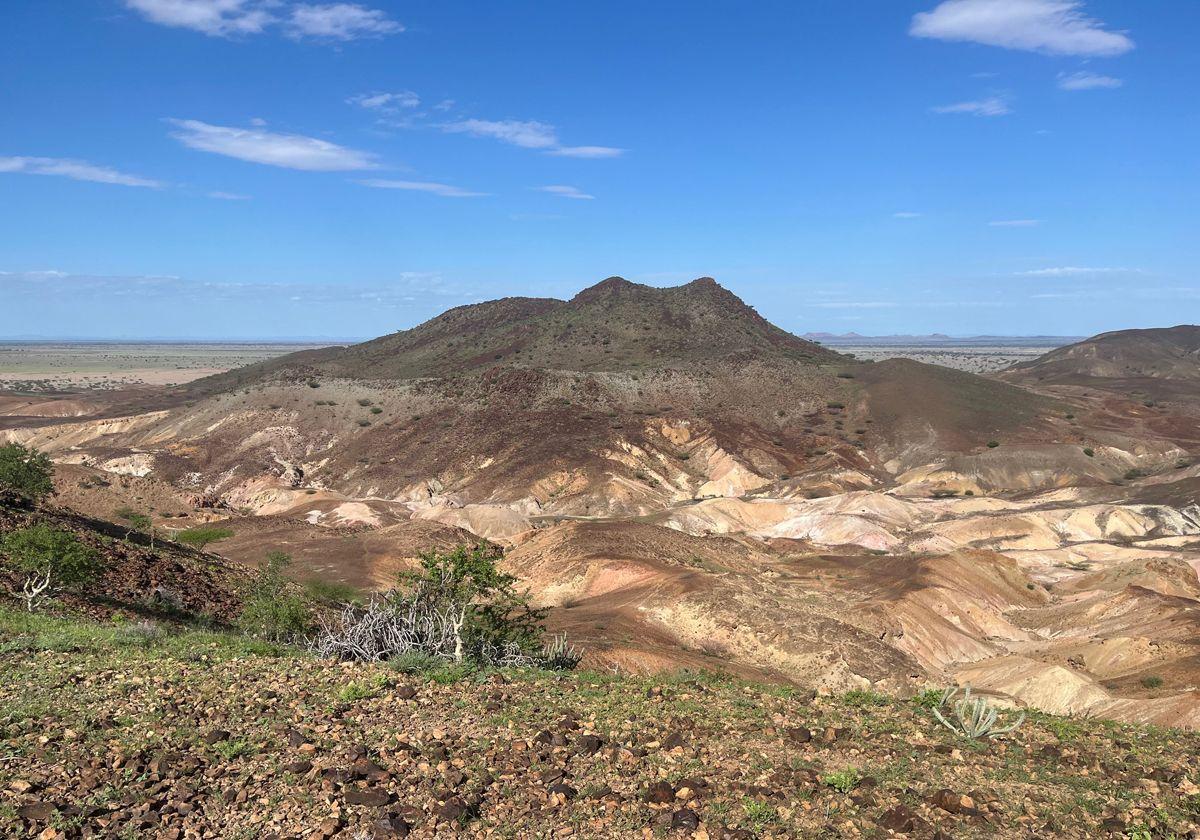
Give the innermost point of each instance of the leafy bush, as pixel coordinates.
(270, 609)
(25, 474)
(972, 717)
(1088, 451)
(1152, 682)
(457, 606)
(843, 780)
(992, 444)
(331, 593)
(200, 536)
(49, 560)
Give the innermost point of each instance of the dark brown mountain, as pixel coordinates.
(615, 325)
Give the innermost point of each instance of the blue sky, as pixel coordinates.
(266, 168)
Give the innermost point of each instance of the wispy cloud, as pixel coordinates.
(1057, 27)
(77, 170)
(906, 214)
(1076, 271)
(444, 190)
(340, 22)
(1086, 81)
(385, 102)
(231, 18)
(1015, 223)
(856, 304)
(528, 134)
(587, 151)
(290, 151)
(564, 191)
(992, 106)
(228, 196)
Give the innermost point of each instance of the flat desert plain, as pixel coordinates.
(38, 365)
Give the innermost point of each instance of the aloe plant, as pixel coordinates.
(972, 717)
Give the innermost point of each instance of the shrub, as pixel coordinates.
(376, 410)
(1130, 475)
(49, 560)
(1152, 682)
(843, 780)
(364, 402)
(1088, 451)
(270, 609)
(200, 536)
(457, 606)
(136, 522)
(25, 474)
(992, 444)
(334, 593)
(972, 717)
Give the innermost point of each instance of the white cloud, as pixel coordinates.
(75, 169)
(228, 196)
(993, 106)
(387, 102)
(212, 17)
(565, 191)
(1054, 27)
(587, 151)
(906, 215)
(444, 105)
(340, 21)
(1016, 223)
(445, 190)
(1058, 27)
(291, 151)
(1076, 271)
(857, 304)
(527, 134)
(227, 18)
(1086, 81)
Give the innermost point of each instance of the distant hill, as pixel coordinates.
(1170, 354)
(613, 325)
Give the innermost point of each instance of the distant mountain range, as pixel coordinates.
(941, 339)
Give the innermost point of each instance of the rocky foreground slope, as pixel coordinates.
(118, 732)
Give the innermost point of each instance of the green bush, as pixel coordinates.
(200, 536)
(1088, 451)
(1152, 682)
(48, 560)
(271, 610)
(25, 474)
(992, 444)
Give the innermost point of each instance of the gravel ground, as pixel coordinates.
(132, 731)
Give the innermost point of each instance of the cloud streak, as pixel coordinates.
(1055, 27)
(992, 106)
(1015, 223)
(1086, 81)
(444, 190)
(528, 134)
(289, 151)
(77, 170)
(565, 191)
